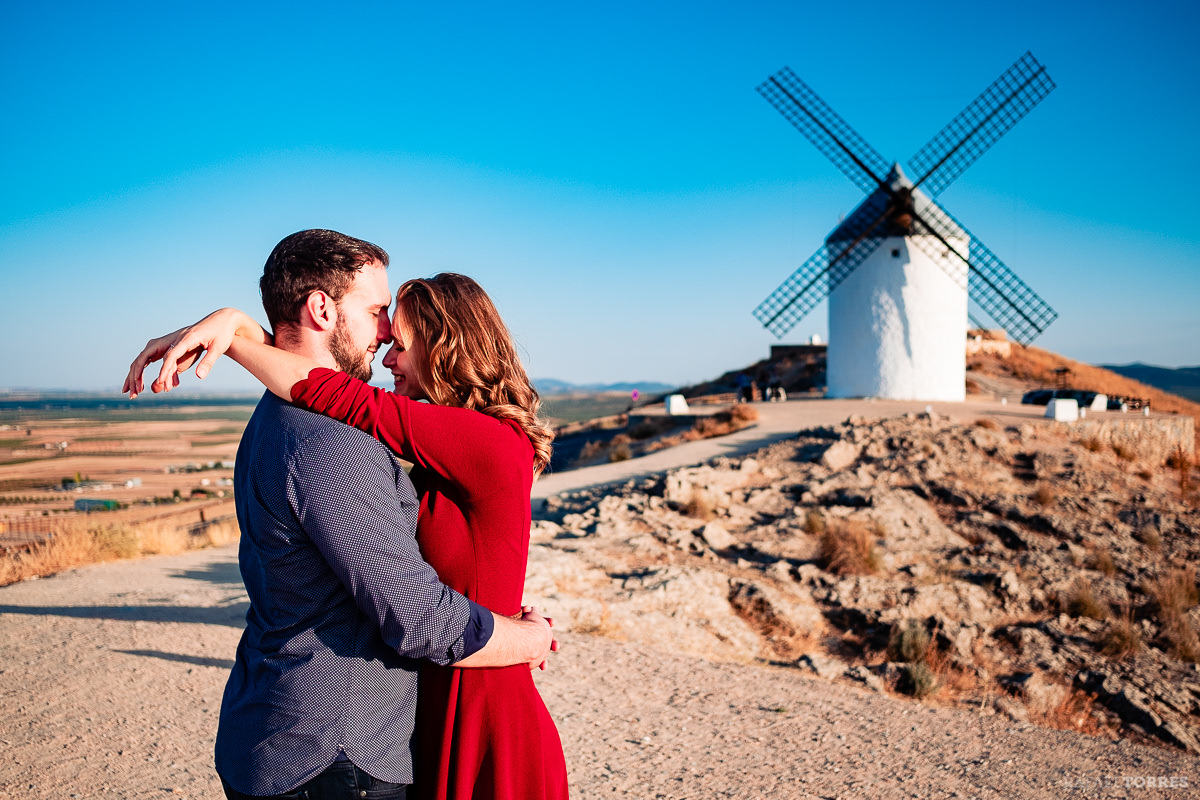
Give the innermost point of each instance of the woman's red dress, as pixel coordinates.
(481, 733)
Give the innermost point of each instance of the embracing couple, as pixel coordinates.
(359, 578)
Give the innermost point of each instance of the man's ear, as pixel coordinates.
(322, 311)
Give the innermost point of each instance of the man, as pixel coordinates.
(321, 699)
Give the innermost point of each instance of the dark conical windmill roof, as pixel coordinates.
(877, 202)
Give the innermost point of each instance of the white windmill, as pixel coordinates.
(899, 269)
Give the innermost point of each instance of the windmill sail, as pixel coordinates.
(993, 286)
(825, 269)
(976, 129)
(823, 127)
(807, 286)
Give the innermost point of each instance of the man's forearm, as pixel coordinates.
(513, 641)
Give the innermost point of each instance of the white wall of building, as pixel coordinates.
(898, 327)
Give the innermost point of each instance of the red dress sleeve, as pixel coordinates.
(477, 452)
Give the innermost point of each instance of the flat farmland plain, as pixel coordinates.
(157, 460)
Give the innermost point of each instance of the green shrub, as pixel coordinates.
(918, 680)
(908, 641)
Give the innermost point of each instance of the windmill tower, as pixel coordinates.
(899, 269)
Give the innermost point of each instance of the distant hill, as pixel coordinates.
(1184, 381)
(550, 386)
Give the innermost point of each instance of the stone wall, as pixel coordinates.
(1152, 439)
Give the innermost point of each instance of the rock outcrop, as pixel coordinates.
(1010, 569)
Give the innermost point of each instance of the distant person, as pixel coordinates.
(775, 392)
(745, 388)
(322, 698)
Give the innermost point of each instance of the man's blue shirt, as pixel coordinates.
(341, 606)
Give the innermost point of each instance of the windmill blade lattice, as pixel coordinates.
(821, 273)
(824, 128)
(976, 129)
(807, 287)
(993, 286)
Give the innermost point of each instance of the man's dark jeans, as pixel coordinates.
(342, 781)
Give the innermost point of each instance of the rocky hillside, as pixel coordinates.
(1008, 569)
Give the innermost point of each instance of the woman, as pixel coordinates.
(482, 733)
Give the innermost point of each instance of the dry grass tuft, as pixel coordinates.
(78, 543)
(743, 413)
(1102, 562)
(1093, 444)
(955, 680)
(620, 452)
(1045, 495)
(1180, 462)
(814, 523)
(591, 450)
(847, 548)
(987, 423)
(1121, 638)
(1174, 594)
(601, 625)
(782, 637)
(649, 428)
(701, 505)
(1149, 536)
(1124, 452)
(1074, 713)
(722, 423)
(1081, 601)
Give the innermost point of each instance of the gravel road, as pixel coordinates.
(112, 679)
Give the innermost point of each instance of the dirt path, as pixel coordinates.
(112, 679)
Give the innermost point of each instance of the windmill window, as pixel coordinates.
(896, 252)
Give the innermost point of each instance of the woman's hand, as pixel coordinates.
(211, 336)
(155, 350)
(530, 613)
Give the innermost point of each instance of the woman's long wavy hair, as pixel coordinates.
(469, 358)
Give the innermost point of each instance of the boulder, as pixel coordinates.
(716, 536)
(826, 667)
(866, 677)
(956, 600)
(543, 530)
(911, 524)
(839, 455)
(1014, 593)
(1036, 648)
(1040, 694)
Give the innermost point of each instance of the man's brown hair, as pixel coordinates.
(312, 261)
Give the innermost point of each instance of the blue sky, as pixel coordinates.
(607, 172)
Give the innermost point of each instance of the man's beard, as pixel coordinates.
(349, 360)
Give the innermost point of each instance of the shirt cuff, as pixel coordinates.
(479, 630)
